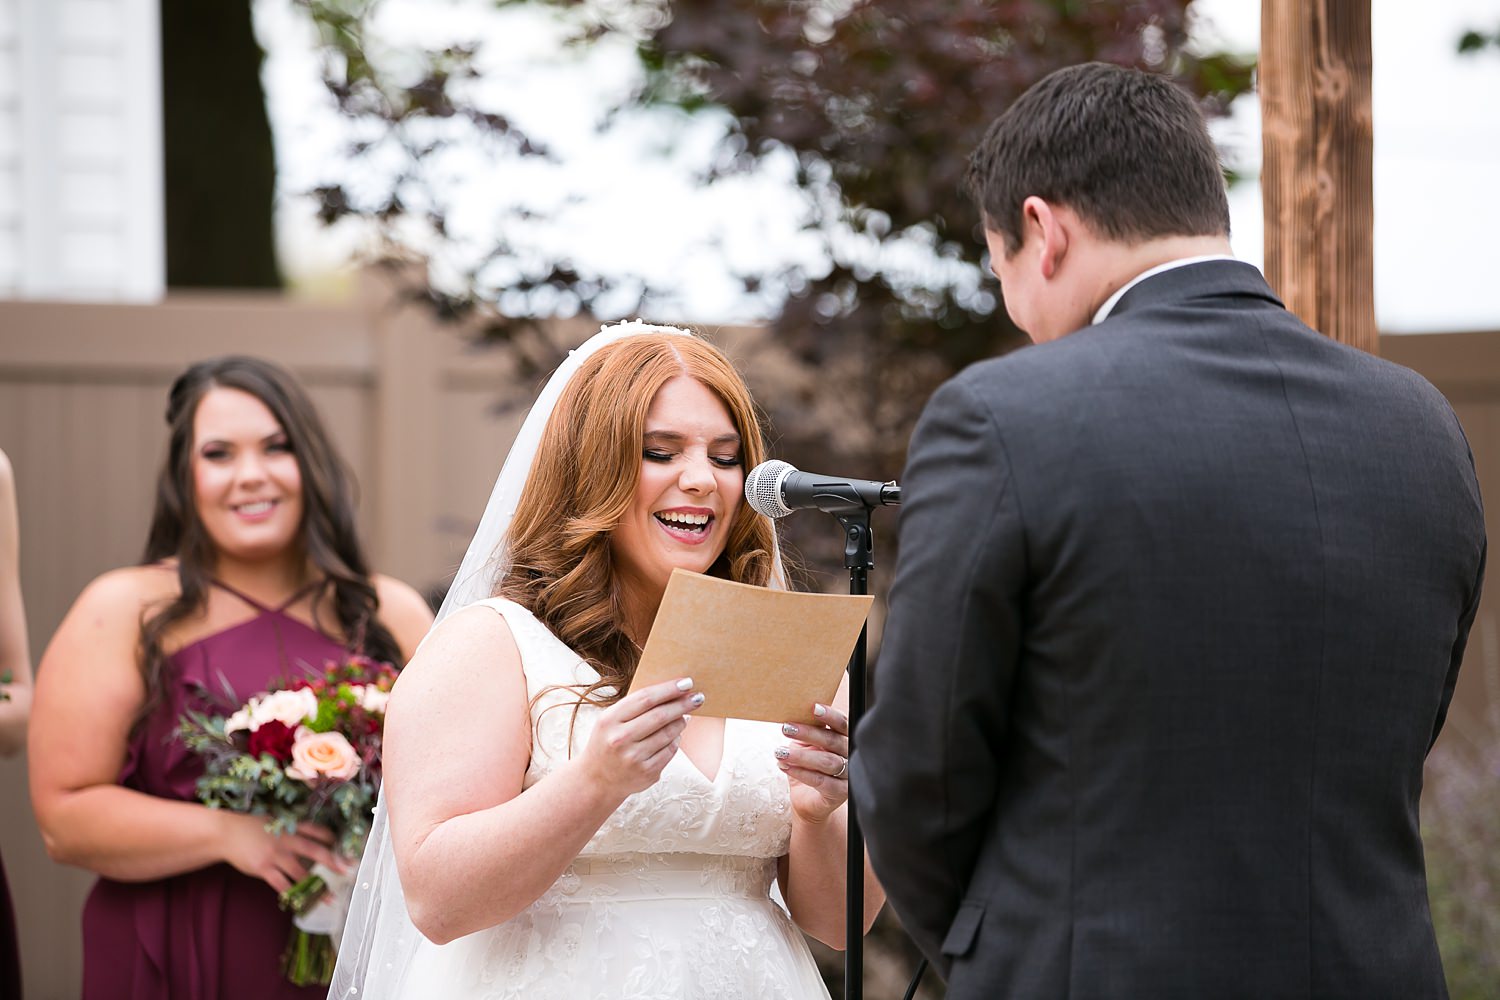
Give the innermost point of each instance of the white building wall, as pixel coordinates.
(81, 210)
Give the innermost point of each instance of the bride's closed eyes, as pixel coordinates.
(723, 461)
(664, 446)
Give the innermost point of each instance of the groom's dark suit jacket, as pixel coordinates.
(1180, 603)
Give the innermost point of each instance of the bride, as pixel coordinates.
(540, 835)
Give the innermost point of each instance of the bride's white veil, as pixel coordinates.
(379, 938)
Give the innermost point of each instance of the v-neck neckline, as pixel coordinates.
(723, 758)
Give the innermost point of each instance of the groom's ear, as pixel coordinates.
(1048, 223)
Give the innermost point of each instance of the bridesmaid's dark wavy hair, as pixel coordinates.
(327, 531)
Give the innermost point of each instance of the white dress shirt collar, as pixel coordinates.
(1109, 303)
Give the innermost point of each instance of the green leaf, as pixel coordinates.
(1472, 41)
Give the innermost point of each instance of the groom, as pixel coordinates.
(1181, 599)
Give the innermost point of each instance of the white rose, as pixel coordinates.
(290, 708)
(372, 699)
(239, 721)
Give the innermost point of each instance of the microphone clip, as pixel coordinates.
(859, 540)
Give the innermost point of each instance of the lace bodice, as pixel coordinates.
(745, 811)
(670, 899)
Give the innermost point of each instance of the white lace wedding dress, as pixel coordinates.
(670, 899)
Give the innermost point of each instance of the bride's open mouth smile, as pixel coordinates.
(689, 525)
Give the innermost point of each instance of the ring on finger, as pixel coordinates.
(842, 770)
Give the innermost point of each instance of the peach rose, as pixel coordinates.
(322, 755)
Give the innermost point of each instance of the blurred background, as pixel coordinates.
(419, 205)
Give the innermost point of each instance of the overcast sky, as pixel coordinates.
(624, 201)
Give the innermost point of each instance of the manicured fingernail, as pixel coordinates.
(686, 684)
(819, 711)
(789, 729)
(696, 699)
(782, 753)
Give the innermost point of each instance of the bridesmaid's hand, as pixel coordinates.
(636, 736)
(279, 860)
(817, 763)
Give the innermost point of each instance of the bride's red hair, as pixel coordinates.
(583, 480)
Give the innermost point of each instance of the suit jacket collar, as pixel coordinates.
(1192, 281)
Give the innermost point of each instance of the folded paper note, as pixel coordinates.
(755, 653)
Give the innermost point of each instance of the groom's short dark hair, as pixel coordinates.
(1128, 151)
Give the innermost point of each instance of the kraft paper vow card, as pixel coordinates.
(755, 653)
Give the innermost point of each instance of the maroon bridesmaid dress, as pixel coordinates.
(211, 934)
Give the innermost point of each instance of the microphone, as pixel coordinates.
(776, 488)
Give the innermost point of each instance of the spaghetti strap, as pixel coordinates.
(300, 593)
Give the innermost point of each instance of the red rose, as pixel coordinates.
(274, 738)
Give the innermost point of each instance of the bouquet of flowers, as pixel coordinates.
(307, 750)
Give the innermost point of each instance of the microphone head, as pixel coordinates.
(763, 488)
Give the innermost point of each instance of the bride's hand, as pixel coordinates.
(635, 737)
(817, 764)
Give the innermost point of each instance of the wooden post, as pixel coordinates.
(1315, 179)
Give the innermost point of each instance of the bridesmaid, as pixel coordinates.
(252, 572)
(15, 697)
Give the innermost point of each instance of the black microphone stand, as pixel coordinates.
(850, 504)
(859, 558)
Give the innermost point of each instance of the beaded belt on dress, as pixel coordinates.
(626, 877)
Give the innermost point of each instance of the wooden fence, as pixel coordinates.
(422, 418)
